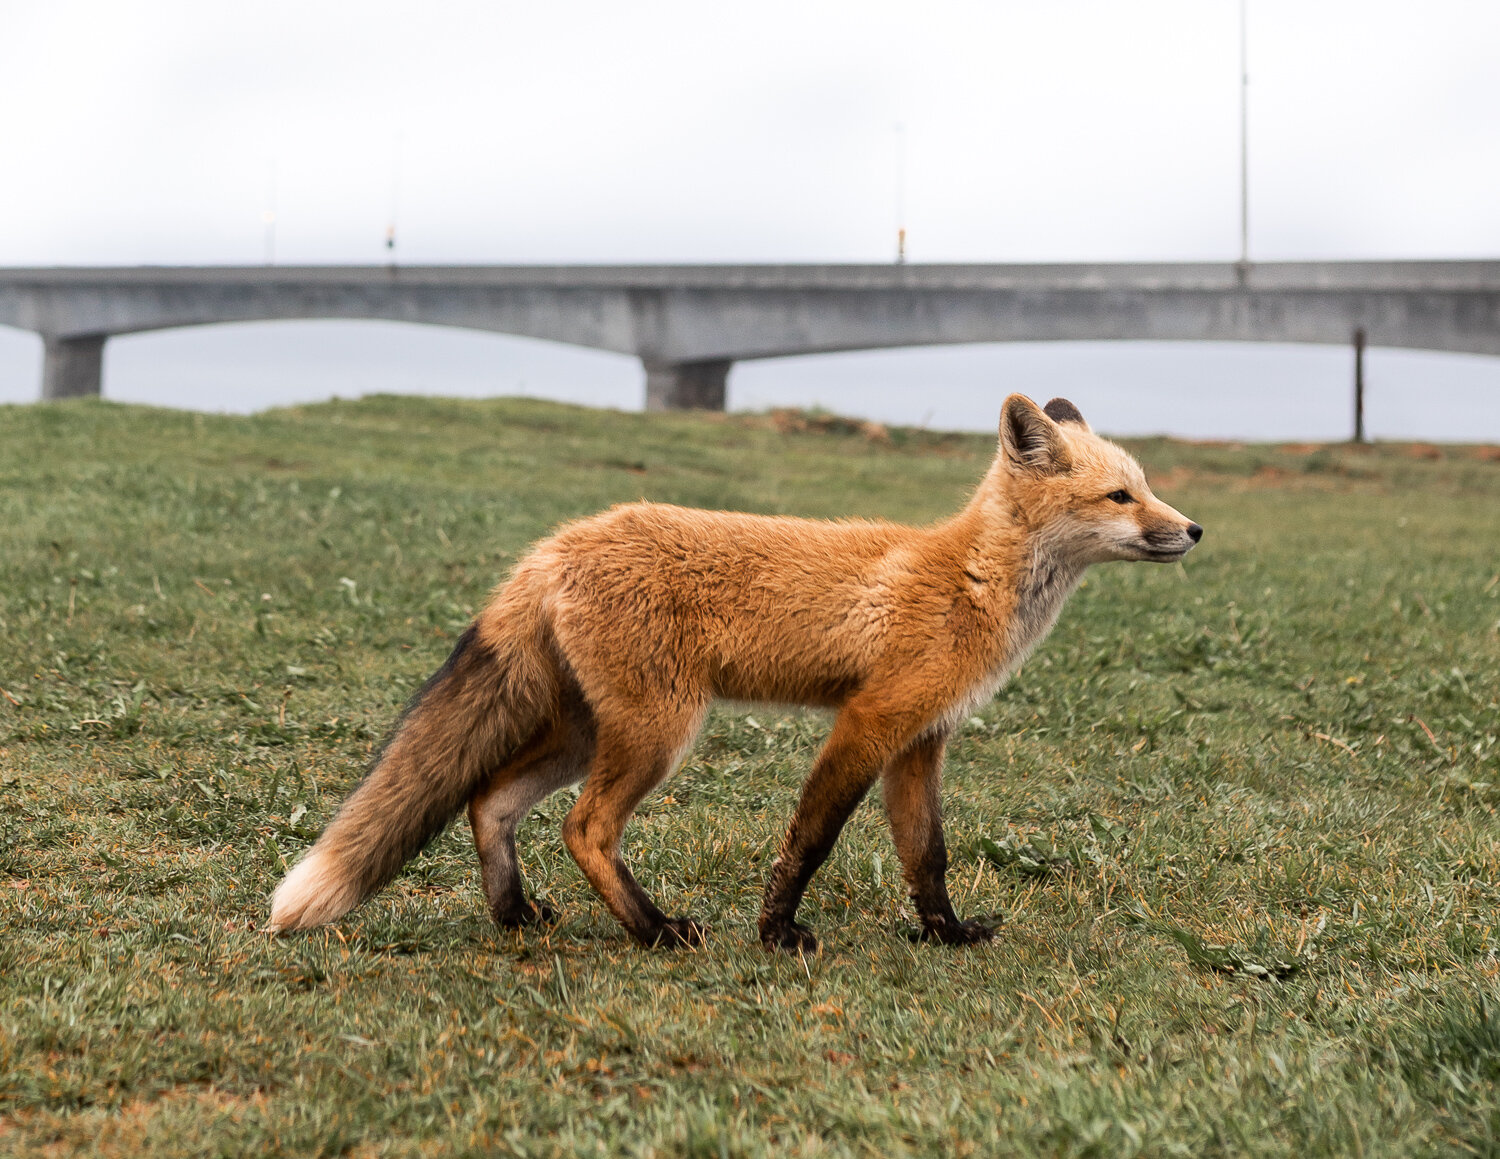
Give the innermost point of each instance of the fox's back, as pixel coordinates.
(756, 607)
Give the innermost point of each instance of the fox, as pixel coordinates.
(596, 662)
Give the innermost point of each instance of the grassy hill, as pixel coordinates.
(1237, 815)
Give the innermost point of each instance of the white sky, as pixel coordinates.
(158, 132)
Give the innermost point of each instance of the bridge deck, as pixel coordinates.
(689, 323)
(1441, 275)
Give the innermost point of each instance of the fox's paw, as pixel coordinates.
(678, 932)
(527, 914)
(956, 933)
(793, 937)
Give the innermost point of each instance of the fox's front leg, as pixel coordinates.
(861, 743)
(913, 803)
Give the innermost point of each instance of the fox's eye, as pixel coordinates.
(1120, 497)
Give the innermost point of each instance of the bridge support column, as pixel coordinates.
(72, 367)
(686, 385)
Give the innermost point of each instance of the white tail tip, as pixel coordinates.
(312, 894)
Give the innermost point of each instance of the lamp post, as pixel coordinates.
(390, 229)
(1244, 142)
(900, 194)
(268, 214)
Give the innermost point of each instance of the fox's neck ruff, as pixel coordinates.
(1037, 573)
(1041, 590)
(1024, 588)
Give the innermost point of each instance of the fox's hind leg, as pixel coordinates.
(555, 758)
(912, 784)
(637, 749)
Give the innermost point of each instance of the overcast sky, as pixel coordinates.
(157, 132)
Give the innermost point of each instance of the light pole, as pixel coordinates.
(900, 194)
(1244, 142)
(268, 214)
(390, 229)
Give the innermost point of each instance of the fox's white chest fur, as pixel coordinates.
(1040, 596)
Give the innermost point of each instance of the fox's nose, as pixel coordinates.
(1195, 533)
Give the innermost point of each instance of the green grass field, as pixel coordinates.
(1238, 815)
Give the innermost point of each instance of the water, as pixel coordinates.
(1192, 390)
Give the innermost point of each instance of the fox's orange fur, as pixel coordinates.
(598, 658)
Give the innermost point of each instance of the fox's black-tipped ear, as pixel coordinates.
(1031, 440)
(1060, 410)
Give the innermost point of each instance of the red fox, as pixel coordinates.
(596, 662)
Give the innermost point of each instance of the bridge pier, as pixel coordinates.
(72, 367)
(686, 385)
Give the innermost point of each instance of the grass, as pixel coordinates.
(1238, 815)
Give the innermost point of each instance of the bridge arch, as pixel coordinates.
(1251, 391)
(251, 365)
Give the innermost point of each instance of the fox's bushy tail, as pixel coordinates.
(478, 708)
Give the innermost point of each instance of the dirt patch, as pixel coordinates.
(272, 463)
(792, 420)
(127, 1130)
(1173, 478)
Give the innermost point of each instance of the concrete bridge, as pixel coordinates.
(689, 324)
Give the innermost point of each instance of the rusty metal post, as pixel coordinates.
(1359, 385)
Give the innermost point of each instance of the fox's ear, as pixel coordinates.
(1060, 410)
(1030, 440)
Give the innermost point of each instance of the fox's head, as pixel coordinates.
(1085, 499)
